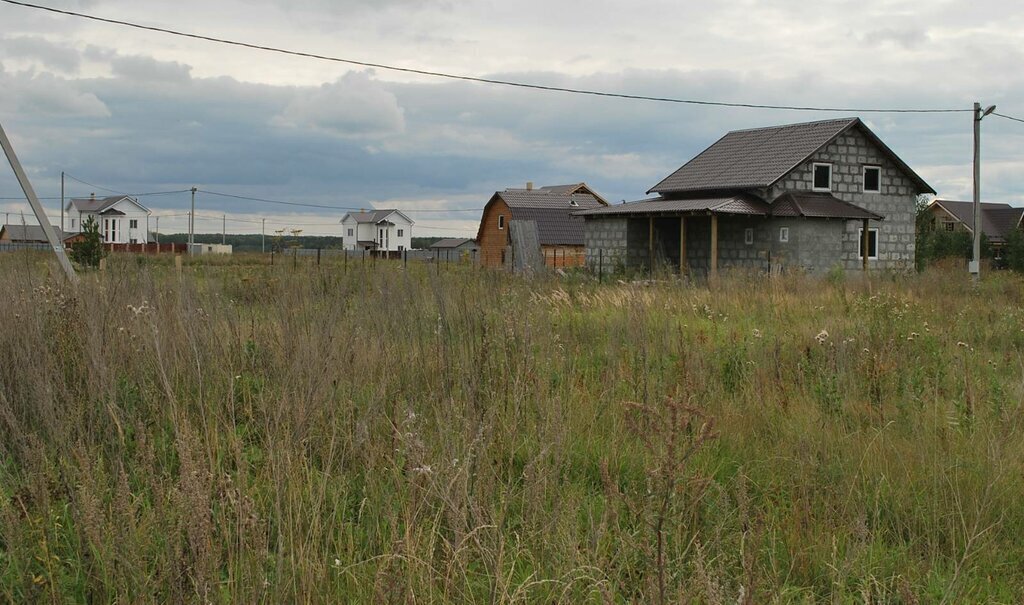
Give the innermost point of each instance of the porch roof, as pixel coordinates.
(819, 205)
(731, 204)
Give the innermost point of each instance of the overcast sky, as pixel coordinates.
(139, 112)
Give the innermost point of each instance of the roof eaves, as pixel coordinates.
(851, 122)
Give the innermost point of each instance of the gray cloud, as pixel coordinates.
(148, 69)
(55, 56)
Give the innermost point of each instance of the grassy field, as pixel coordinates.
(285, 434)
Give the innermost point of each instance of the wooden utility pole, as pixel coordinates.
(37, 208)
(263, 237)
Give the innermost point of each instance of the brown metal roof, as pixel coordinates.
(819, 205)
(539, 198)
(730, 204)
(759, 157)
(997, 220)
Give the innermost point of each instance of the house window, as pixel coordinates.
(350, 233)
(949, 226)
(401, 232)
(401, 248)
(784, 234)
(872, 243)
(133, 224)
(872, 179)
(72, 223)
(501, 221)
(822, 177)
(381, 235)
(748, 236)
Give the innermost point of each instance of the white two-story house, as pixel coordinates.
(384, 230)
(121, 218)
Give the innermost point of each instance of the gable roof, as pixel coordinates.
(574, 188)
(552, 208)
(759, 157)
(451, 242)
(95, 205)
(375, 216)
(997, 220)
(31, 233)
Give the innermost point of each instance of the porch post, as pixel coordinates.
(714, 245)
(682, 245)
(650, 243)
(864, 243)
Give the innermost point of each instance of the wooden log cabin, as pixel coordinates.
(552, 208)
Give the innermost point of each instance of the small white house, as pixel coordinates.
(385, 230)
(121, 218)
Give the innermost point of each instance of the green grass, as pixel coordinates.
(372, 433)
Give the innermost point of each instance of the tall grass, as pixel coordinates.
(374, 433)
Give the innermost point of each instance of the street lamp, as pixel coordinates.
(975, 267)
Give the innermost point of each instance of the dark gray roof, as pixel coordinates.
(31, 233)
(452, 242)
(759, 157)
(728, 204)
(997, 220)
(819, 205)
(98, 204)
(373, 216)
(555, 226)
(539, 198)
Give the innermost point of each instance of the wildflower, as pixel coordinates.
(961, 343)
(757, 333)
(426, 469)
(822, 337)
(337, 562)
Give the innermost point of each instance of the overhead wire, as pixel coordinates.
(467, 78)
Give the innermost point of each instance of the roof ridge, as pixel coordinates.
(794, 124)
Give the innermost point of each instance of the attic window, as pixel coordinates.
(822, 177)
(501, 221)
(872, 179)
(573, 203)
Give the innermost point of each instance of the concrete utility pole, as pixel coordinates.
(158, 230)
(192, 223)
(263, 237)
(62, 203)
(37, 208)
(975, 267)
(224, 231)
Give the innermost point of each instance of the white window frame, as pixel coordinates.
(133, 223)
(748, 236)
(814, 173)
(860, 242)
(401, 232)
(784, 235)
(350, 232)
(949, 226)
(864, 178)
(501, 221)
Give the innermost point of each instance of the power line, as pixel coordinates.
(150, 193)
(325, 206)
(1008, 117)
(481, 80)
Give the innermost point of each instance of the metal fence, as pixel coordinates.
(16, 247)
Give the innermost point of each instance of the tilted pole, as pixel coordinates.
(37, 208)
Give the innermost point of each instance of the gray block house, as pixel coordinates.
(809, 197)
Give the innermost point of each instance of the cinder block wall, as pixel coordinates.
(848, 155)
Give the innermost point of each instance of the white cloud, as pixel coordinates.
(355, 106)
